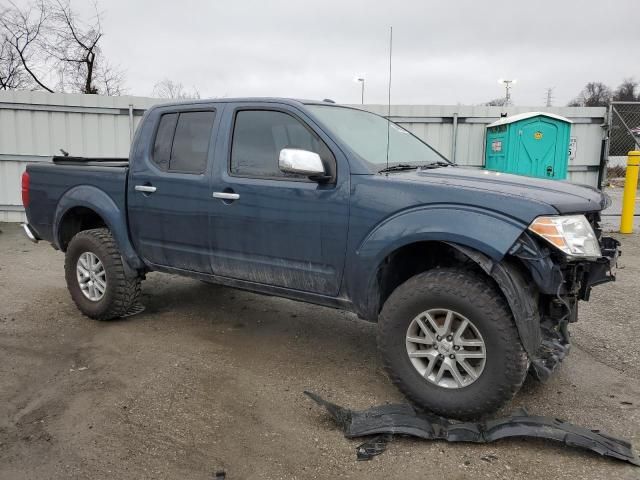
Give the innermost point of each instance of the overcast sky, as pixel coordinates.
(444, 52)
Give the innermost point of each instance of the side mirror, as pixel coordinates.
(303, 162)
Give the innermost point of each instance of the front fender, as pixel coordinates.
(114, 217)
(520, 293)
(485, 231)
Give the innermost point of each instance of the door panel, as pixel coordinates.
(169, 224)
(287, 232)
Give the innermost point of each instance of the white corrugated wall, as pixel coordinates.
(35, 125)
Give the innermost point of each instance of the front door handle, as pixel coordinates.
(226, 195)
(145, 188)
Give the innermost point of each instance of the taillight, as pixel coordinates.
(25, 189)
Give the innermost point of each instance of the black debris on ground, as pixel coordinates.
(403, 419)
(372, 447)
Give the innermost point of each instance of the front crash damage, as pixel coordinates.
(401, 419)
(542, 289)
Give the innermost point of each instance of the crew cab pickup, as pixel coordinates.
(472, 276)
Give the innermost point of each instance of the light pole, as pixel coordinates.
(507, 87)
(361, 80)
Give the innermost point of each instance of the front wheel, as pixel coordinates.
(96, 278)
(449, 343)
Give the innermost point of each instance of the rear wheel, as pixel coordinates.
(96, 278)
(448, 341)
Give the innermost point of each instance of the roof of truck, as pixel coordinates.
(290, 101)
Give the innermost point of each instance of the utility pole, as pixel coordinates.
(361, 80)
(507, 87)
(549, 97)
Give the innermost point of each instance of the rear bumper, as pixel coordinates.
(30, 233)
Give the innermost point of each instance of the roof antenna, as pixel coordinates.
(389, 97)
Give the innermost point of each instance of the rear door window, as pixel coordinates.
(164, 140)
(182, 142)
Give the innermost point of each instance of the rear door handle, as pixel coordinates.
(145, 188)
(226, 195)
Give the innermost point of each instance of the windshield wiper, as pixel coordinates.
(399, 167)
(437, 164)
(405, 166)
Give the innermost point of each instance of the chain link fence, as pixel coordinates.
(624, 135)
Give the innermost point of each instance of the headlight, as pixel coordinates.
(570, 233)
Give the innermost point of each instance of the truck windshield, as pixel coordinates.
(366, 134)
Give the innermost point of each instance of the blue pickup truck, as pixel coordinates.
(472, 276)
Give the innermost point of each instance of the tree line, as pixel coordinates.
(597, 94)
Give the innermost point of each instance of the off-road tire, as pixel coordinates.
(121, 293)
(473, 296)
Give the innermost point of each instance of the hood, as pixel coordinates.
(564, 196)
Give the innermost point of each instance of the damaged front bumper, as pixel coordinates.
(603, 269)
(558, 309)
(403, 419)
(542, 288)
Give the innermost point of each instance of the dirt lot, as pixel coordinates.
(209, 378)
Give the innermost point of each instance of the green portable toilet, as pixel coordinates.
(535, 144)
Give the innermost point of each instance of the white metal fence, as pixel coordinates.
(35, 126)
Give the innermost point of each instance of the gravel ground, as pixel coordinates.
(210, 378)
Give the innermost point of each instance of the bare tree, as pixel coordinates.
(74, 44)
(594, 94)
(175, 90)
(49, 38)
(23, 30)
(111, 81)
(626, 91)
(12, 75)
(496, 102)
(75, 47)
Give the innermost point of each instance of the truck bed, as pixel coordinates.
(82, 177)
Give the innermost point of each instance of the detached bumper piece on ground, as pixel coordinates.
(402, 419)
